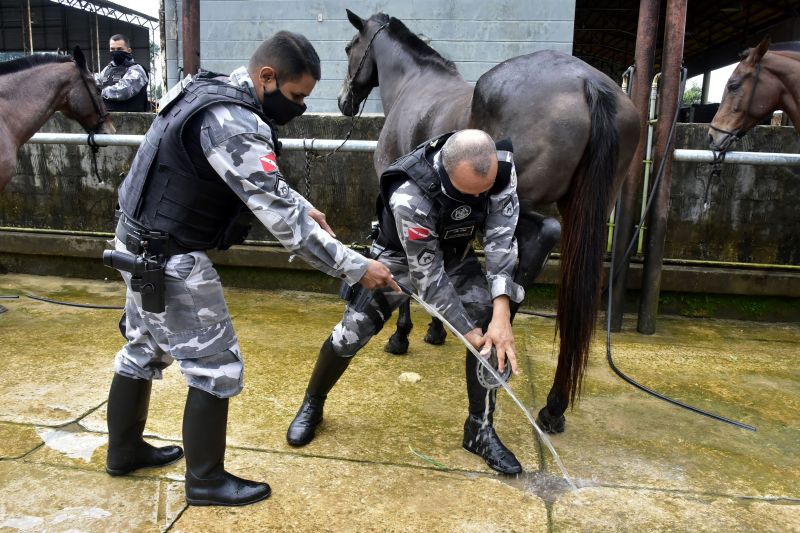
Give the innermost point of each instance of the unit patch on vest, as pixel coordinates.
(418, 234)
(457, 233)
(281, 187)
(508, 207)
(425, 257)
(460, 213)
(268, 162)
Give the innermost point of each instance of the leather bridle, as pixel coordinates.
(102, 114)
(737, 133)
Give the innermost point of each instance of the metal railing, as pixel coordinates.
(136, 140)
(691, 156)
(740, 158)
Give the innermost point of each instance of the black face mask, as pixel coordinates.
(279, 108)
(118, 57)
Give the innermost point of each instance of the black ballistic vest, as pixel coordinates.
(460, 215)
(166, 190)
(138, 102)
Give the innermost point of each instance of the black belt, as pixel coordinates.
(134, 236)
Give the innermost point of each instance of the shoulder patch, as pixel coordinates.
(425, 257)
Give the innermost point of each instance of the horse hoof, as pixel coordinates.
(396, 346)
(549, 423)
(435, 336)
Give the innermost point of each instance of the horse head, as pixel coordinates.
(83, 101)
(362, 70)
(743, 101)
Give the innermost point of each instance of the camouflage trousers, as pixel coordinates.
(195, 329)
(358, 327)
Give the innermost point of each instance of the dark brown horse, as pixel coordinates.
(574, 133)
(766, 79)
(34, 87)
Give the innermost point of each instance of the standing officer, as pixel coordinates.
(432, 203)
(123, 82)
(208, 158)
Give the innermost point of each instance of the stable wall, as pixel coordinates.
(753, 218)
(475, 34)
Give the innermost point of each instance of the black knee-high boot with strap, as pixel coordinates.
(480, 437)
(327, 371)
(128, 402)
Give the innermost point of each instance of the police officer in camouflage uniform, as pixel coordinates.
(433, 201)
(123, 82)
(208, 158)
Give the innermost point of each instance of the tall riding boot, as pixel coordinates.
(327, 371)
(128, 400)
(205, 420)
(479, 435)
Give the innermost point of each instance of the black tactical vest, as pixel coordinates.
(460, 216)
(138, 102)
(165, 191)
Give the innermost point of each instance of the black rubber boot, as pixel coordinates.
(205, 420)
(551, 417)
(480, 437)
(327, 371)
(128, 400)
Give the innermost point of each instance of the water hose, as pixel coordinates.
(497, 377)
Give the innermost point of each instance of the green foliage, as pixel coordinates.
(693, 94)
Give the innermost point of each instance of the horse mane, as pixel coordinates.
(788, 46)
(421, 51)
(24, 63)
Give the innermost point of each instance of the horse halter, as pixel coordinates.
(310, 155)
(363, 60)
(729, 134)
(101, 117)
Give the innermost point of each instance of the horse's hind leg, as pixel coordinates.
(436, 333)
(537, 235)
(398, 342)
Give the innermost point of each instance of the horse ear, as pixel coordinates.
(355, 20)
(758, 52)
(77, 55)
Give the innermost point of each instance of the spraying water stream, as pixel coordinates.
(542, 436)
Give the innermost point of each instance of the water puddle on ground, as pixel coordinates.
(72, 440)
(546, 486)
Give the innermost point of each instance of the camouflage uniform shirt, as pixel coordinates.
(126, 88)
(416, 217)
(238, 145)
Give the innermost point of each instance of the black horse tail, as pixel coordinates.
(583, 241)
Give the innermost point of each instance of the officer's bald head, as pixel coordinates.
(290, 54)
(470, 159)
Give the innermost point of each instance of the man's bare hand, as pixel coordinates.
(319, 218)
(475, 338)
(500, 335)
(378, 276)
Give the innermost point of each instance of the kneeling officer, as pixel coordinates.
(209, 157)
(432, 204)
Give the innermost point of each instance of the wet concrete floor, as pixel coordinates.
(388, 456)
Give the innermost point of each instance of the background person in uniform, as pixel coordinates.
(433, 202)
(204, 162)
(123, 82)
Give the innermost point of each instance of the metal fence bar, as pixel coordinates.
(136, 140)
(742, 158)
(690, 156)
